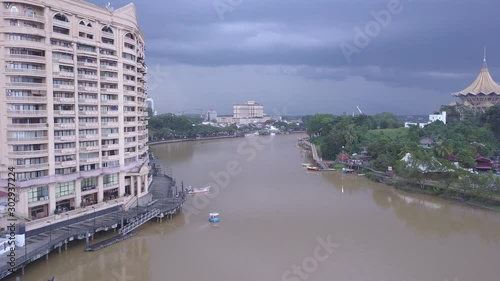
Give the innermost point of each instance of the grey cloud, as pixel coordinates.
(430, 49)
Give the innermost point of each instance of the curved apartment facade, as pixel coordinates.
(72, 106)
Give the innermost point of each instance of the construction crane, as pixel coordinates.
(360, 112)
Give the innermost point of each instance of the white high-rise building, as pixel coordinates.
(249, 109)
(72, 102)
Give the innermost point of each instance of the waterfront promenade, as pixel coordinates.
(41, 241)
(322, 165)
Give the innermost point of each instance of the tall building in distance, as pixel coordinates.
(150, 103)
(73, 91)
(249, 109)
(483, 93)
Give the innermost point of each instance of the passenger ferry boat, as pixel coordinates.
(213, 217)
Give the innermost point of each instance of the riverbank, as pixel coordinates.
(429, 187)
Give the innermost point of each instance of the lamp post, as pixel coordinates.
(50, 231)
(67, 223)
(94, 217)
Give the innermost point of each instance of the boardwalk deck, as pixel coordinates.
(41, 242)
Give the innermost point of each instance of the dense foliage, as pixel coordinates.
(386, 142)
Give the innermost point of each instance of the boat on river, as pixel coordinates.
(306, 165)
(191, 190)
(313, 169)
(254, 134)
(213, 217)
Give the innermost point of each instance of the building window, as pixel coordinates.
(110, 180)
(39, 193)
(29, 12)
(89, 184)
(65, 188)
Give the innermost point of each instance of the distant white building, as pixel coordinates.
(249, 109)
(211, 115)
(432, 118)
(246, 113)
(150, 103)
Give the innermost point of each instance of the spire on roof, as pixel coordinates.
(483, 84)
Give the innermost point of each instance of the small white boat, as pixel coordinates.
(256, 134)
(306, 165)
(273, 134)
(198, 190)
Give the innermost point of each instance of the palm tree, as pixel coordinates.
(443, 150)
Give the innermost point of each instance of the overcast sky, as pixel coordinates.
(301, 57)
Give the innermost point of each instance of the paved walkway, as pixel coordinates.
(40, 242)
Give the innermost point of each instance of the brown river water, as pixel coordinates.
(280, 222)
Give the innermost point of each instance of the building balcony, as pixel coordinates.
(30, 99)
(109, 90)
(24, 30)
(25, 85)
(63, 74)
(109, 102)
(130, 113)
(39, 45)
(64, 86)
(110, 113)
(30, 153)
(129, 82)
(87, 52)
(110, 124)
(110, 146)
(129, 40)
(109, 67)
(108, 35)
(27, 112)
(88, 174)
(130, 93)
(90, 149)
(130, 134)
(87, 77)
(89, 161)
(30, 167)
(30, 140)
(87, 89)
(86, 29)
(64, 113)
(22, 16)
(87, 101)
(89, 137)
(64, 138)
(131, 144)
(61, 23)
(129, 102)
(111, 158)
(28, 71)
(111, 136)
(36, 126)
(88, 113)
(64, 125)
(25, 57)
(64, 100)
(89, 125)
(110, 79)
(65, 164)
(89, 64)
(65, 151)
(129, 71)
(108, 56)
(63, 60)
(130, 124)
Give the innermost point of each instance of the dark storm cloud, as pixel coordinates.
(426, 50)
